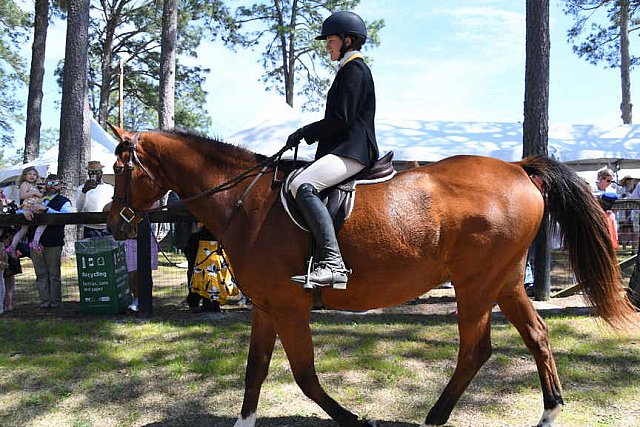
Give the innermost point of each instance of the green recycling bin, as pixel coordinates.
(102, 276)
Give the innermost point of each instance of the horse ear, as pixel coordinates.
(120, 133)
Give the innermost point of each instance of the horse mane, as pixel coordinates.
(216, 145)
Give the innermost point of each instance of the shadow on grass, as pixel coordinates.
(433, 300)
(52, 358)
(202, 420)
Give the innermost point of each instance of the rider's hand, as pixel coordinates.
(295, 138)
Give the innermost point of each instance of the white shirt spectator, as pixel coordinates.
(94, 200)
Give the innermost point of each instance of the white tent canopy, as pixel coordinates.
(585, 147)
(103, 148)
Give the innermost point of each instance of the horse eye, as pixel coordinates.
(117, 169)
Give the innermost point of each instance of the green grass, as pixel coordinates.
(97, 372)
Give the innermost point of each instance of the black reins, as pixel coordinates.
(128, 214)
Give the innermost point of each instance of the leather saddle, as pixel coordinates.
(340, 198)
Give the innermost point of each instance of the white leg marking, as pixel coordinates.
(548, 416)
(250, 421)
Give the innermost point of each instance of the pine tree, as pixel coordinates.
(286, 30)
(606, 39)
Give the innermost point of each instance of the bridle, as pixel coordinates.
(133, 217)
(129, 144)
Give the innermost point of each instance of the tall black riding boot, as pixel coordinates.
(330, 269)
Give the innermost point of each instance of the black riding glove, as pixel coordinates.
(295, 138)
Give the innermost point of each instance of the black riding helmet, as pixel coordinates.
(344, 24)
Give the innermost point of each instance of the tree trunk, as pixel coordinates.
(36, 78)
(625, 63)
(168, 64)
(536, 91)
(106, 66)
(536, 124)
(73, 138)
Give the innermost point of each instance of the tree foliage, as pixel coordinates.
(600, 34)
(596, 29)
(294, 62)
(14, 31)
(131, 30)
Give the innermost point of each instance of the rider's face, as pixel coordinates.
(333, 45)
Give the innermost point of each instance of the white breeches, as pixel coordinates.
(326, 172)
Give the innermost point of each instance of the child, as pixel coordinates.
(30, 196)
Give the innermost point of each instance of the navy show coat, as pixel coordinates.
(347, 128)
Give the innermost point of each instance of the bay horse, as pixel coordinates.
(466, 219)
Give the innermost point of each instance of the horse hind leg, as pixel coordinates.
(263, 337)
(474, 313)
(517, 308)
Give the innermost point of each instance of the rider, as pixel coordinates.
(346, 142)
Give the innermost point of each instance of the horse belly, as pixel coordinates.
(393, 253)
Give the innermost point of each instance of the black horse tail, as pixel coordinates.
(585, 233)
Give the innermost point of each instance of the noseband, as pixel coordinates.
(127, 213)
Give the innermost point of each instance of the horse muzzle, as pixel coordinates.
(122, 229)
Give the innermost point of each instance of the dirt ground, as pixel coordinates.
(440, 301)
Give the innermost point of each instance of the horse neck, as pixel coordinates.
(193, 167)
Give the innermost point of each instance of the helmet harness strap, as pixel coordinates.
(344, 48)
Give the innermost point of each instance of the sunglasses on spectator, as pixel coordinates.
(607, 179)
(53, 183)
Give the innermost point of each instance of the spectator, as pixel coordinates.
(4, 264)
(628, 218)
(635, 192)
(627, 185)
(8, 275)
(604, 182)
(6, 294)
(30, 196)
(528, 271)
(198, 233)
(131, 256)
(606, 201)
(192, 238)
(13, 266)
(46, 263)
(93, 196)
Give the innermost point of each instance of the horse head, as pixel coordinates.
(136, 189)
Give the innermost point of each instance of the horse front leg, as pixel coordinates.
(263, 338)
(518, 309)
(295, 336)
(474, 313)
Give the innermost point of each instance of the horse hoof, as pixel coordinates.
(548, 416)
(250, 421)
(370, 423)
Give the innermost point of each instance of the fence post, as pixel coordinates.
(145, 283)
